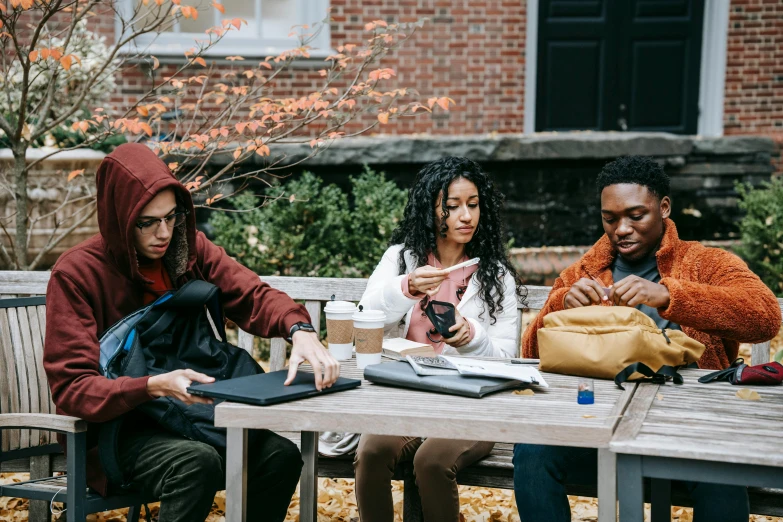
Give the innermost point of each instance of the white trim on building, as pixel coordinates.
(249, 41)
(712, 79)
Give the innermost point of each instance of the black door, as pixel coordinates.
(619, 65)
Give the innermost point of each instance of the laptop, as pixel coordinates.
(268, 388)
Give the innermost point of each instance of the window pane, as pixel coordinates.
(206, 18)
(245, 9)
(277, 18)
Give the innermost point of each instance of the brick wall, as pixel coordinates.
(754, 69)
(474, 52)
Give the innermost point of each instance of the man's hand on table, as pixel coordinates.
(175, 385)
(307, 347)
(634, 291)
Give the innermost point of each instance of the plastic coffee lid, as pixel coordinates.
(369, 316)
(339, 306)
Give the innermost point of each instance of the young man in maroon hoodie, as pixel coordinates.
(148, 244)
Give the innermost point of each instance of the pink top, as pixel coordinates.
(420, 323)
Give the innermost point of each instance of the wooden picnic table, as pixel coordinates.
(550, 416)
(697, 432)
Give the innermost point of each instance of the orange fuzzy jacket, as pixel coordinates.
(715, 298)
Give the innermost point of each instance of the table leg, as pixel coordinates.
(236, 475)
(630, 490)
(607, 485)
(661, 500)
(308, 484)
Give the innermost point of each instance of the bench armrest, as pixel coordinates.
(43, 421)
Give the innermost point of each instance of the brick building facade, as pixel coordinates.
(477, 53)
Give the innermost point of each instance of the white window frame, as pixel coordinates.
(712, 80)
(170, 44)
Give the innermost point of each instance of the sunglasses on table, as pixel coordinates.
(151, 226)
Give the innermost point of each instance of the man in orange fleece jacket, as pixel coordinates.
(709, 294)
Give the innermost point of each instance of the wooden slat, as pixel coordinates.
(635, 412)
(314, 309)
(277, 354)
(23, 406)
(759, 353)
(10, 388)
(41, 311)
(25, 348)
(44, 400)
(352, 289)
(245, 341)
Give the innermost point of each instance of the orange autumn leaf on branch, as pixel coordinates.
(382, 74)
(442, 102)
(383, 117)
(75, 173)
(219, 7)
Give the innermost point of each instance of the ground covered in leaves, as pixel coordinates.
(337, 503)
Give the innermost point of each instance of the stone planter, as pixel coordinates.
(51, 196)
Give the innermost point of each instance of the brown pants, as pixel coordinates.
(435, 464)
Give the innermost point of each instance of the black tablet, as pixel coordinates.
(268, 388)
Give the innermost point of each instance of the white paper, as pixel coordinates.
(505, 370)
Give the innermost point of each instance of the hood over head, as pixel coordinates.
(127, 180)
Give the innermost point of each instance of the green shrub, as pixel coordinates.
(762, 231)
(306, 228)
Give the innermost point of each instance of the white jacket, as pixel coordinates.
(384, 292)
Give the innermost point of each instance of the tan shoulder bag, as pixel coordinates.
(613, 342)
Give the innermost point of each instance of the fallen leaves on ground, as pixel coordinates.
(337, 503)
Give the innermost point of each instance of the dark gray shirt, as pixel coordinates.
(646, 269)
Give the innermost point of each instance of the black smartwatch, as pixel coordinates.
(305, 327)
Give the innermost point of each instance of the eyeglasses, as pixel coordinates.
(172, 220)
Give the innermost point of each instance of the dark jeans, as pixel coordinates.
(186, 474)
(541, 473)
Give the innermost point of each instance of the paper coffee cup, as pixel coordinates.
(368, 337)
(339, 328)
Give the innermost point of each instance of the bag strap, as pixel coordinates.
(723, 375)
(108, 438)
(193, 294)
(664, 372)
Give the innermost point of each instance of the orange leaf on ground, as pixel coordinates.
(173, 165)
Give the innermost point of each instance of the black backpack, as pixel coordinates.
(180, 330)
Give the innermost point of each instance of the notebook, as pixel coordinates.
(268, 388)
(401, 374)
(397, 348)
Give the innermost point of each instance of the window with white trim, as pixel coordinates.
(269, 24)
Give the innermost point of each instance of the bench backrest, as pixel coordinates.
(23, 385)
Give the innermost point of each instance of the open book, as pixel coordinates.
(397, 348)
(445, 365)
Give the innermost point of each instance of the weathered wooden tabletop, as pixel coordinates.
(703, 422)
(550, 416)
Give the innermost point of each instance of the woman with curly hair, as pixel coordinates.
(452, 215)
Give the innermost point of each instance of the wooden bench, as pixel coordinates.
(494, 471)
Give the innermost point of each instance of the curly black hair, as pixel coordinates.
(417, 230)
(639, 170)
